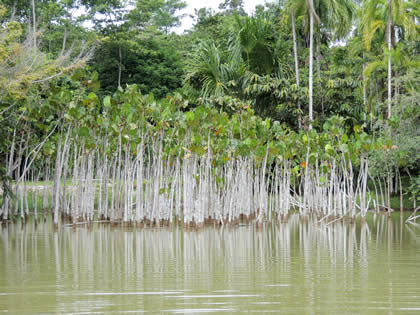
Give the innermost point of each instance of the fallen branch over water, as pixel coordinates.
(413, 216)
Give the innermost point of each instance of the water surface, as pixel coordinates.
(295, 267)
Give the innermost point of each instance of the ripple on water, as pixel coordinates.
(291, 268)
(199, 310)
(130, 293)
(211, 296)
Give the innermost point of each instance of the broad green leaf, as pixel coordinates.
(107, 101)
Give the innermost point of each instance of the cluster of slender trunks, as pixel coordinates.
(148, 186)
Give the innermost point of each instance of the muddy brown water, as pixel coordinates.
(289, 268)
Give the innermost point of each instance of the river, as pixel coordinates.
(291, 268)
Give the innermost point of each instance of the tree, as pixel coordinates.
(312, 16)
(330, 16)
(22, 64)
(254, 69)
(383, 18)
(166, 17)
(389, 30)
(149, 60)
(296, 8)
(255, 38)
(232, 6)
(295, 55)
(58, 25)
(206, 71)
(24, 72)
(158, 13)
(336, 19)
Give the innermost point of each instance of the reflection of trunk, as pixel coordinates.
(296, 64)
(119, 68)
(389, 57)
(311, 53)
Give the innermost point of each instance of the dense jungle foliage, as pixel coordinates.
(333, 78)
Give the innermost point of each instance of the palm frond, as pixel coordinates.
(369, 31)
(374, 65)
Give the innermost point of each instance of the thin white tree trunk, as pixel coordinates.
(318, 68)
(45, 198)
(318, 59)
(4, 214)
(389, 58)
(296, 64)
(34, 21)
(119, 67)
(105, 171)
(262, 190)
(76, 196)
(364, 91)
(400, 189)
(117, 207)
(35, 198)
(311, 56)
(139, 185)
(65, 165)
(57, 177)
(114, 174)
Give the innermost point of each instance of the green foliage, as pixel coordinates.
(414, 189)
(206, 71)
(240, 96)
(253, 70)
(151, 63)
(399, 137)
(232, 6)
(158, 13)
(255, 36)
(128, 115)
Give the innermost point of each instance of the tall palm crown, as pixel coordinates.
(331, 15)
(375, 15)
(384, 17)
(334, 16)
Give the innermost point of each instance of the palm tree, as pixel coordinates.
(206, 71)
(386, 16)
(296, 7)
(295, 55)
(389, 30)
(256, 41)
(330, 15)
(305, 7)
(336, 18)
(312, 15)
